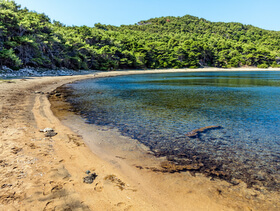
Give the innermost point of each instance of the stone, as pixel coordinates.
(89, 179)
(49, 132)
(47, 129)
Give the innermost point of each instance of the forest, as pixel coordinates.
(30, 39)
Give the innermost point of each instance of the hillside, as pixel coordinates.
(29, 39)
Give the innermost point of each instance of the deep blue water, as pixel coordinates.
(160, 109)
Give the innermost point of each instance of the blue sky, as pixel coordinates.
(261, 13)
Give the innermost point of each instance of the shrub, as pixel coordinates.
(262, 66)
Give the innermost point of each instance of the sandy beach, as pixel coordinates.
(46, 173)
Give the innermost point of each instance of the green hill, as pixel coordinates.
(29, 39)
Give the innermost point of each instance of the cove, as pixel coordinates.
(159, 110)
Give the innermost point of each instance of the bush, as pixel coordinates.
(262, 66)
(10, 59)
(275, 65)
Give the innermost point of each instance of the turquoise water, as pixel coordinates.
(160, 109)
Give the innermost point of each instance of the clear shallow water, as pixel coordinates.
(160, 109)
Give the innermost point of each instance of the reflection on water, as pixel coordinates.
(160, 109)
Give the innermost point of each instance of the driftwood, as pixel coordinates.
(196, 132)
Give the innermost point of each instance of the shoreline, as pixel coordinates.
(33, 73)
(52, 169)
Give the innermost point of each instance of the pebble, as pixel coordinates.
(49, 132)
(89, 179)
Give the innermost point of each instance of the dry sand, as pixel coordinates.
(42, 173)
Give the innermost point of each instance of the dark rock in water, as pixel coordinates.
(234, 182)
(172, 168)
(259, 176)
(89, 179)
(195, 133)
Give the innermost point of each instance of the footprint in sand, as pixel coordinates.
(123, 206)
(98, 187)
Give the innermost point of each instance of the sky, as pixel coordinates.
(261, 13)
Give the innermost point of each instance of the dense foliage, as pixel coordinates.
(31, 39)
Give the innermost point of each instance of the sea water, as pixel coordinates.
(159, 110)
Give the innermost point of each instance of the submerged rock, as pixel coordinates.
(170, 167)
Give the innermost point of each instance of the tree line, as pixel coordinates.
(30, 39)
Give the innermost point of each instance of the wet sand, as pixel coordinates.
(43, 173)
